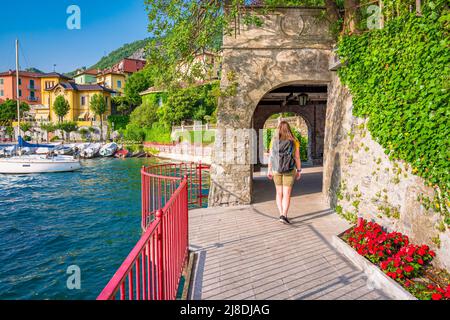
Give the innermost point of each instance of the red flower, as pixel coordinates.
(420, 261)
(436, 296)
(399, 271)
(430, 286)
(409, 269)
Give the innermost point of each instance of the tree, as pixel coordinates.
(8, 110)
(83, 132)
(61, 107)
(136, 83)
(25, 126)
(183, 29)
(48, 127)
(99, 107)
(68, 127)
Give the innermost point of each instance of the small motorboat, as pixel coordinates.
(38, 164)
(123, 153)
(109, 149)
(90, 151)
(63, 150)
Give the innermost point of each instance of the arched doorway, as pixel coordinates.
(257, 62)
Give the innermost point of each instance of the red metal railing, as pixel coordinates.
(159, 183)
(153, 269)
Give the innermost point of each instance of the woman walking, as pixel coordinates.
(284, 166)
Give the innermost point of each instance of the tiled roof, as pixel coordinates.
(21, 74)
(34, 74)
(55, 74)
(83, 87)
(92, 72)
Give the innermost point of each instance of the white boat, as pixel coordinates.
(90, 151)
(43, 150)
(38, 164)
(109, 150)
(63, 150)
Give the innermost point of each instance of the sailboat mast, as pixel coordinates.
(17, 87)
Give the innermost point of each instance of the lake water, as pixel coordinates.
(49, 222)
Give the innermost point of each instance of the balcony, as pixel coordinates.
(32, 98)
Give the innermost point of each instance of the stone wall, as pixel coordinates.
(360, 178)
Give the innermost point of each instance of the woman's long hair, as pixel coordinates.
(284, 132)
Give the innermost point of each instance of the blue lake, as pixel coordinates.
(89, 218)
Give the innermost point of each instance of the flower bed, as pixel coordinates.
(406, 263)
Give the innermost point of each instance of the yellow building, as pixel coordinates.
(112, 80)
(79, 97)
(48, 81)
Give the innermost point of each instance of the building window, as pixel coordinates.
(20, 81)
(83, 100)
(20, 93)
(31, 84)
(32, 95)
(119, 84)
(1, 81)
(2, 93)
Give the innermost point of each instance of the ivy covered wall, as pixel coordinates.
(399, 78)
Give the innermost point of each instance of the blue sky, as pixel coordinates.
(45, 39)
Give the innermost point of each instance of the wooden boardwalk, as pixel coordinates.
(245, 253)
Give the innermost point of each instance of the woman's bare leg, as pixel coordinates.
(286, 202)
(280, 199)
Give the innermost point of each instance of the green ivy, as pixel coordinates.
(399, 79)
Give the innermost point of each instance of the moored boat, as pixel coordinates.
(90, 151)
(38, 164)
(109, 149)
(63, 150)
(123, 153)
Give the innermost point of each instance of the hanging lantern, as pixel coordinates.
(302, 99)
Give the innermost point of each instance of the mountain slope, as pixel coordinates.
(135, 50)
(127, 50)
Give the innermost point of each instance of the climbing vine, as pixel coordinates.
(399, 79)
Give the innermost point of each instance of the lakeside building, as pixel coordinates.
(79, 98)
(112, 80)
(86, 76)
(29, 86)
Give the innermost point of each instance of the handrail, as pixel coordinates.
(153, 269)
(154, 266)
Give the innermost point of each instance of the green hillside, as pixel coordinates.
(114, 57)
(123, 52)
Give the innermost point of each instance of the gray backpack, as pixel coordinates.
(283, 156)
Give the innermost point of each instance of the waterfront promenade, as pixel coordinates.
(245, 253)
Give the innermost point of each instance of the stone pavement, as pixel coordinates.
(245, 253)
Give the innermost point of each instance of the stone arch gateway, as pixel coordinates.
(293, 46)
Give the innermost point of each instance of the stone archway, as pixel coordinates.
(292, 47)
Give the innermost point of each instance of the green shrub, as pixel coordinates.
(119, 121)
(158, 133)
(134, 133)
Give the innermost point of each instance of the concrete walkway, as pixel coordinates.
(245, 253)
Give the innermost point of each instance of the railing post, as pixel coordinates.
(200, 184)
(159, 244)
(143, 202)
